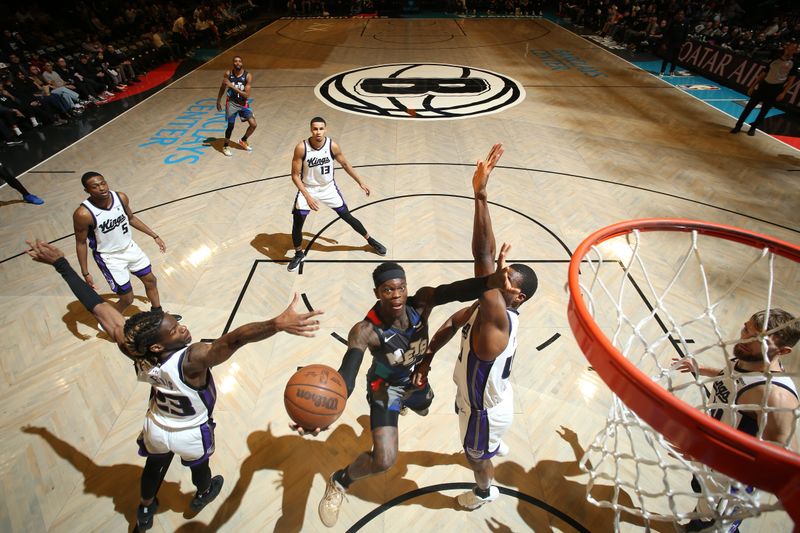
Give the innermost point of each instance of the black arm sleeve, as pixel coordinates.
(85, 294)
(465, 290)
(349, 369)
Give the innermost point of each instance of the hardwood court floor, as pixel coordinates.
(582, 151)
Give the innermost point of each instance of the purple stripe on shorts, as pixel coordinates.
(478, 376)
(116, 289)
(344, 204)
(143, 272)
(476, 440)
(207, 434)
(143, 449)
(296, 210)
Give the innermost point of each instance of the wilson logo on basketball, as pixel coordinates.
(319, 401)
(431, 91)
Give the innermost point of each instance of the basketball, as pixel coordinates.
(315, 396)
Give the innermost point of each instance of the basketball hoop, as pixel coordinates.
(615, 304)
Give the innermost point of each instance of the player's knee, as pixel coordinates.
(478, 465)
(126, 298)
(149, 280)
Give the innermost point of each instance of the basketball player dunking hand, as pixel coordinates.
(178, 419)
(488, 343)
(312, 174)
(395, 331)
(236, 85)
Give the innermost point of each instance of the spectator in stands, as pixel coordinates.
(15, 65)
(87, 88)
(121, 63)
(37, 101)
(204, 25)
(89, 71)
(70, 97)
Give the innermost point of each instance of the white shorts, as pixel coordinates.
(481, 431)
(118, 266)
(329, 195)
(193, 445)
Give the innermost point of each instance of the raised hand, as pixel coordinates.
(295, 323)
(685, 364)
(43, 252)
(500, 278)
(483, 168)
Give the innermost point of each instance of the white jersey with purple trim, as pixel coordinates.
(111, 230)
(728, 388)
(174, 404)
(484, 384)
(317, 168)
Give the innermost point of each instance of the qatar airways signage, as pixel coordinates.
(731, 69)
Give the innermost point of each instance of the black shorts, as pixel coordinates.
(386, 401)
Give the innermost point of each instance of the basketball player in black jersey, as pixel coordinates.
(395, 331)
(236, 84)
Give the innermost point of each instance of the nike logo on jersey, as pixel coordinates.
(390, 337)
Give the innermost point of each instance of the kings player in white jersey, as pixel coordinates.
(312, 174)
(484, 398)
(182, 395)
(767, 338)
(104, 220)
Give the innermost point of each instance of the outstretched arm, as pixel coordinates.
(108, 316)
(490, 334)
(483, 241)
(339, 156)
(202, 356)
(465, 290)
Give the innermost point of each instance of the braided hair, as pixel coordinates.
(141, 331)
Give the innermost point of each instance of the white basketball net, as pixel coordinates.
(698, 307)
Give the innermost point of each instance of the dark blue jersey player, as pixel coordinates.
(236, 86)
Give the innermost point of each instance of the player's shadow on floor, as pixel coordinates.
(278, 246)
(4, 203)
(790, 159)
(77, 314)
(118, 482)
(569, 496)
(218, 142)
(299, 460)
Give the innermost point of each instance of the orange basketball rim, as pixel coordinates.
(699, 436)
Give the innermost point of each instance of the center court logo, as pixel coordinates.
(432, 91)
